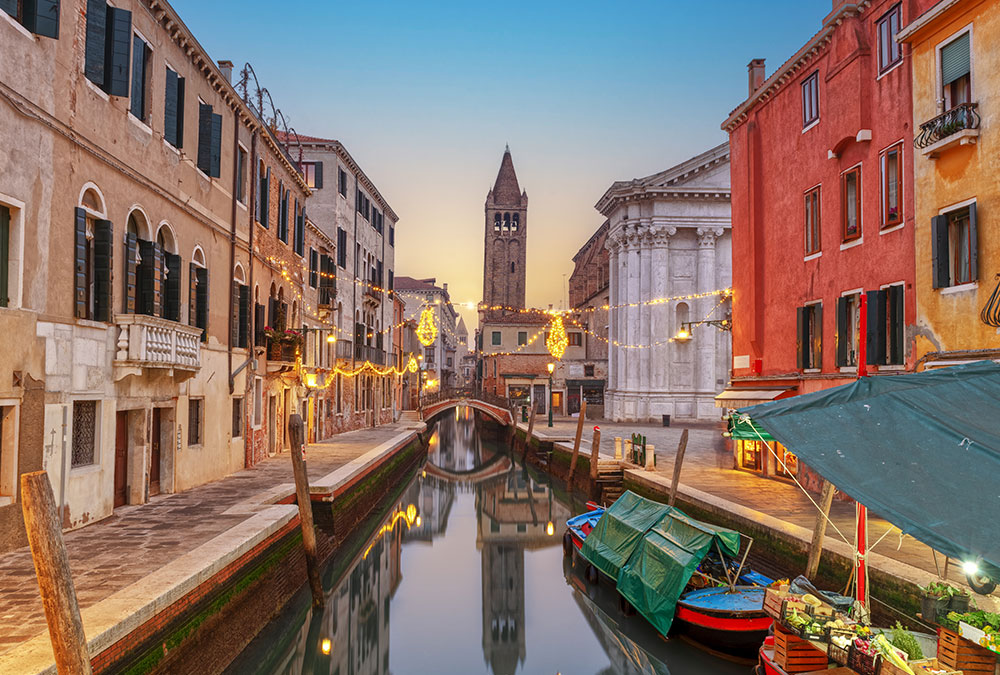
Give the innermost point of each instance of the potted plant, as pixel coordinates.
(937, 600)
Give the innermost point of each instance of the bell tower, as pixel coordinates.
(506, 241)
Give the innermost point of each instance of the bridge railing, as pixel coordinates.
(464, 392)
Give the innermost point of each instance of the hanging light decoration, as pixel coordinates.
(412, 365)
(557, 340)
(426, 330)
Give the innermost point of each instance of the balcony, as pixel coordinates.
(958, 126)
(369, 353)
(345, 349)
(152, 342)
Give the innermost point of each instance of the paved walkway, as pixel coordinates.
(136, 541)
(708, 467)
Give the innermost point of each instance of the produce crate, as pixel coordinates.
(978, 636)
(889, 668)
(958, 653)
(794, 654)
(805, 634)
(924, 666)
(774, 601)
(838, 654)
(862, 663)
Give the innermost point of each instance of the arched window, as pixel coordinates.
(496, 222)
(145, 267)
(515, 223)
(198, 292)
(683, 315)
(93, 245)
(166, 250)
(512, 268)
(506, 222)
(240, 320)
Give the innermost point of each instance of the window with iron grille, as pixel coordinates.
(194, 421)
(84, 433)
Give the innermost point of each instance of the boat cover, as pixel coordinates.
(664, 560)
(618, 532)
(921, 450)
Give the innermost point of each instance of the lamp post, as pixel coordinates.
(551, 368)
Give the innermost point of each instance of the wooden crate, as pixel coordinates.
(794, 654)
(958, 653)
(924, 666)
(773, 600)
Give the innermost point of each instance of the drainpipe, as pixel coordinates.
(232, 247)
(247, 389)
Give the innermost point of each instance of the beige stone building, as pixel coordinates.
(135, 183)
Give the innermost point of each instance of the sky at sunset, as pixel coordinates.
(425, 94)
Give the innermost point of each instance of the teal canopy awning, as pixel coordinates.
(921, 450)
(743, 429)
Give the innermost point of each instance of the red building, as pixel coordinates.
(822, 215)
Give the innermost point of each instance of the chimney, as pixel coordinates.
(445, 287)
(756, 78)
(227, 70)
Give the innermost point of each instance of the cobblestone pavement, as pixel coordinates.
(136, 541)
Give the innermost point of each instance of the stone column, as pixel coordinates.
(660, 314)
(708, 335)
(645, 380)
(611, 244)
(634, 280)
(621, 318)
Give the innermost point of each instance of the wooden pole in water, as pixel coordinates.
(819, 530)
(678, 461)
(595, 452)
(576, 441)
(531, 427)
(296, 434)
(55, 582)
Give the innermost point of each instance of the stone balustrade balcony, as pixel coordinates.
(151, 342)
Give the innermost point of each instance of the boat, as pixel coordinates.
(649, 552)
(765, 659)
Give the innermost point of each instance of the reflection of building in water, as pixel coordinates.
(513, 513)
(433, 500)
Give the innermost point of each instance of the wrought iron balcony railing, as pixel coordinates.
(152, 342)
(344, 349)
(369, 353)
(961, 117)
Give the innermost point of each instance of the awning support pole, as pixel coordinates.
(739, 570)
(725, 566)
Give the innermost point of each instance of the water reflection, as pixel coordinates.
(471, 548)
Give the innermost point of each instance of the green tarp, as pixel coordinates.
(743, 429)
(651, 550)
(921, 450)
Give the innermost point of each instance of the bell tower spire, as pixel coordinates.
(505, 241)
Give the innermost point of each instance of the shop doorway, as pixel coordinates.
(557, 401)
(121, 459)
(154, 454)
(539, 396)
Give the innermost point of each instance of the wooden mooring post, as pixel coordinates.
(55, 582)
(595, 452)
(678, 461)
(531, 427)
(819, 531)
(296, 434)
(576, 441)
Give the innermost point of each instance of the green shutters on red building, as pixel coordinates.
(118, 42)
(130, 268)
(173, 110)
(80, 276)
(172, 287)
(104, 236)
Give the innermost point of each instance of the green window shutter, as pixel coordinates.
(215, 148)
(259, 322)
(130, 272)
(282, 213)
(319, 175)
(243, 336)
(265, 199)
(146, 303)
(817, 353)
(895, 325)
(172, 287)
(138, 102)
(234, 315)
(192, 294)
(300, 229)
(41, 17)
(80, 264)
(202, 302)
(172, 113)
(96, 38)
(801, 331)
(313, 268)
(973, 244)
(205, 138)
(116, 54)
(875, 329)
(955, 59)
(4, 256)
(158, 274)
(103, 262)
(843, 339)
(940, 260)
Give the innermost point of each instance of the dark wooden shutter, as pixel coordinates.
(192, 294)
(313, 268)
(148, 284)
(215, 148)
(259, 322)
(104, 235)
(265, 199)
(41, 17)
(940, 260)
(95, 51)
(138, 103)
(875, 338)
(129, 270)
(318, 182)
(80, 265)
(300, 229)
(243, 334)
(895, 325)
(202, 302)
(234, 315)
(282, 316)
(205, 138)
(173, 110)
(282, 213)
(817, 346)
(272, 313)
(172, 287)
(843, 339)
(116, 54)
(4, 256)
(801, 330)
(973, 244)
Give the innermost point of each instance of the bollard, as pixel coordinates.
(627, 449)
(618, 447)
(650, 458)
(296, 433)
(595, 451)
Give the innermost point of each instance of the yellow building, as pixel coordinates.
(956, 91)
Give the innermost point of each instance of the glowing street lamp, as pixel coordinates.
(551, 368)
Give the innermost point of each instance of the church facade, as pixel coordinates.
(669, 241)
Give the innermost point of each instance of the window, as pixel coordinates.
(889, 53)
(312, 173)
(496, 338)
(93, 263)
(522, 337)
(264, 195)
(209, 140)
(40, 17)
(512, 268)
(810, 99)
(496, 222)
(141, 55)
(429, 356)
(341, 182)
(282, 213)
(850, 203)
(108, 43)
(955, 247)
(809, 329)
(751, 454)
(892, 185)
(451, 362)
(198, 294)
(194, 420)
(575, 339)
(786, 464)
(848, 315)
(588, 370)
(241, 175)
(299, 235)
(237, 417)
(314, 268)
(392, 234)
(515, 223)
(173, 111)
(956, 72)
(5, 256)
(84, 433)
(258, 401)
(884, 339)
(342, 248)
(812, 221)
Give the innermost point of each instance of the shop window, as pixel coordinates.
(892, 185)
(850, 203)
(750, 454)
(812, 221)
(889, 53)
(787, 463)
(954, 247)
(237, 416)
(195, 411)
(848, 321)
(84, 433)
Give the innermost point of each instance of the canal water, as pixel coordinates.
(466, 575)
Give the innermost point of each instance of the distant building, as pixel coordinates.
(668, 237)
(438, 365)
(588, 297)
